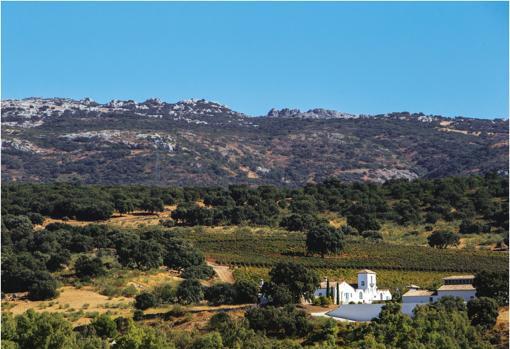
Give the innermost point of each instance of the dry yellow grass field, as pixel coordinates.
(502, 324)
(129, 220)
(72, 299)
(147, 281)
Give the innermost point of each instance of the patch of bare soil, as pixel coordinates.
(223, 272)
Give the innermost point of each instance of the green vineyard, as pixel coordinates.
(266, 250)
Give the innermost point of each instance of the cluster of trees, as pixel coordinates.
(86, 202)
(447, 323)
(191, 291)
(29, 258)
(47, 330)
(289, 283)
(365, 205)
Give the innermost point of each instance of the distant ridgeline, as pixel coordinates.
(478, 203)
(199, 142)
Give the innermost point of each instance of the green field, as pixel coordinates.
(252, 252)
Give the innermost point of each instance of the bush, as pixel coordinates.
(145, 300)
(493, 285)
(45, 287)
(211, 340)
(35, 218)
(247, 291)
(297, 279)
(348, 230)
(86, 267)
(165, 293)
(167, 223)
(277, 295)
(483, 312)
(324, 301)
(279, 322)
(324, 239)
(443, 239)
(201, 272)
(138, 315)
(469, 227)
(220, 294)
(432, 217)
(129, 291)
(58, 260)
(176, 311)
(190, 291)
(373, 235)
(104, 326)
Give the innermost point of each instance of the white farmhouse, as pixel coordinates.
(455, 286)
(365, 291)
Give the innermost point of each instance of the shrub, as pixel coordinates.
(129, 291)
(167, 223)
(443, 239)
(201, 272)
(324, 239)
(277, 295)
(247, 291)
(45, 287)
(220, 294)
(86, 267)
(493, 285)
(297, 279)
(373, 235)
(104, 326)
(138, 315)
(483, 312)
(35, 218)
(190, 291)
(145, 300)
(165, 293)
(176, 311)
(278, 322)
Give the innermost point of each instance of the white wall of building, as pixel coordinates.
(466, 295)
(418, 299)
(366, 292)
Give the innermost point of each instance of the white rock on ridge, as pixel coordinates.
(317, 113)
(34, 111)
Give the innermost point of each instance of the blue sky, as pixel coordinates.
(439, 58)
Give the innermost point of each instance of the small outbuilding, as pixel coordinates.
(454, 286)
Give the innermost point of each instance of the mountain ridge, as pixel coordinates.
(197, 141)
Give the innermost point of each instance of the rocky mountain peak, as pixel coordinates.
(317, 113)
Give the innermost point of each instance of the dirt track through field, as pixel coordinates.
(224, 273)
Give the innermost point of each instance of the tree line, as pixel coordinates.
(365, 205)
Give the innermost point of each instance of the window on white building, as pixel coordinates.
(361, 295)
(362, 283)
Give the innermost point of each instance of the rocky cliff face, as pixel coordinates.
(198, 142)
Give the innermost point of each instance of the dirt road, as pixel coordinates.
(224, 273)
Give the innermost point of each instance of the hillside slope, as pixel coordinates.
(197, 142)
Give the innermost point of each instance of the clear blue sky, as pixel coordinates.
(441, 58)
